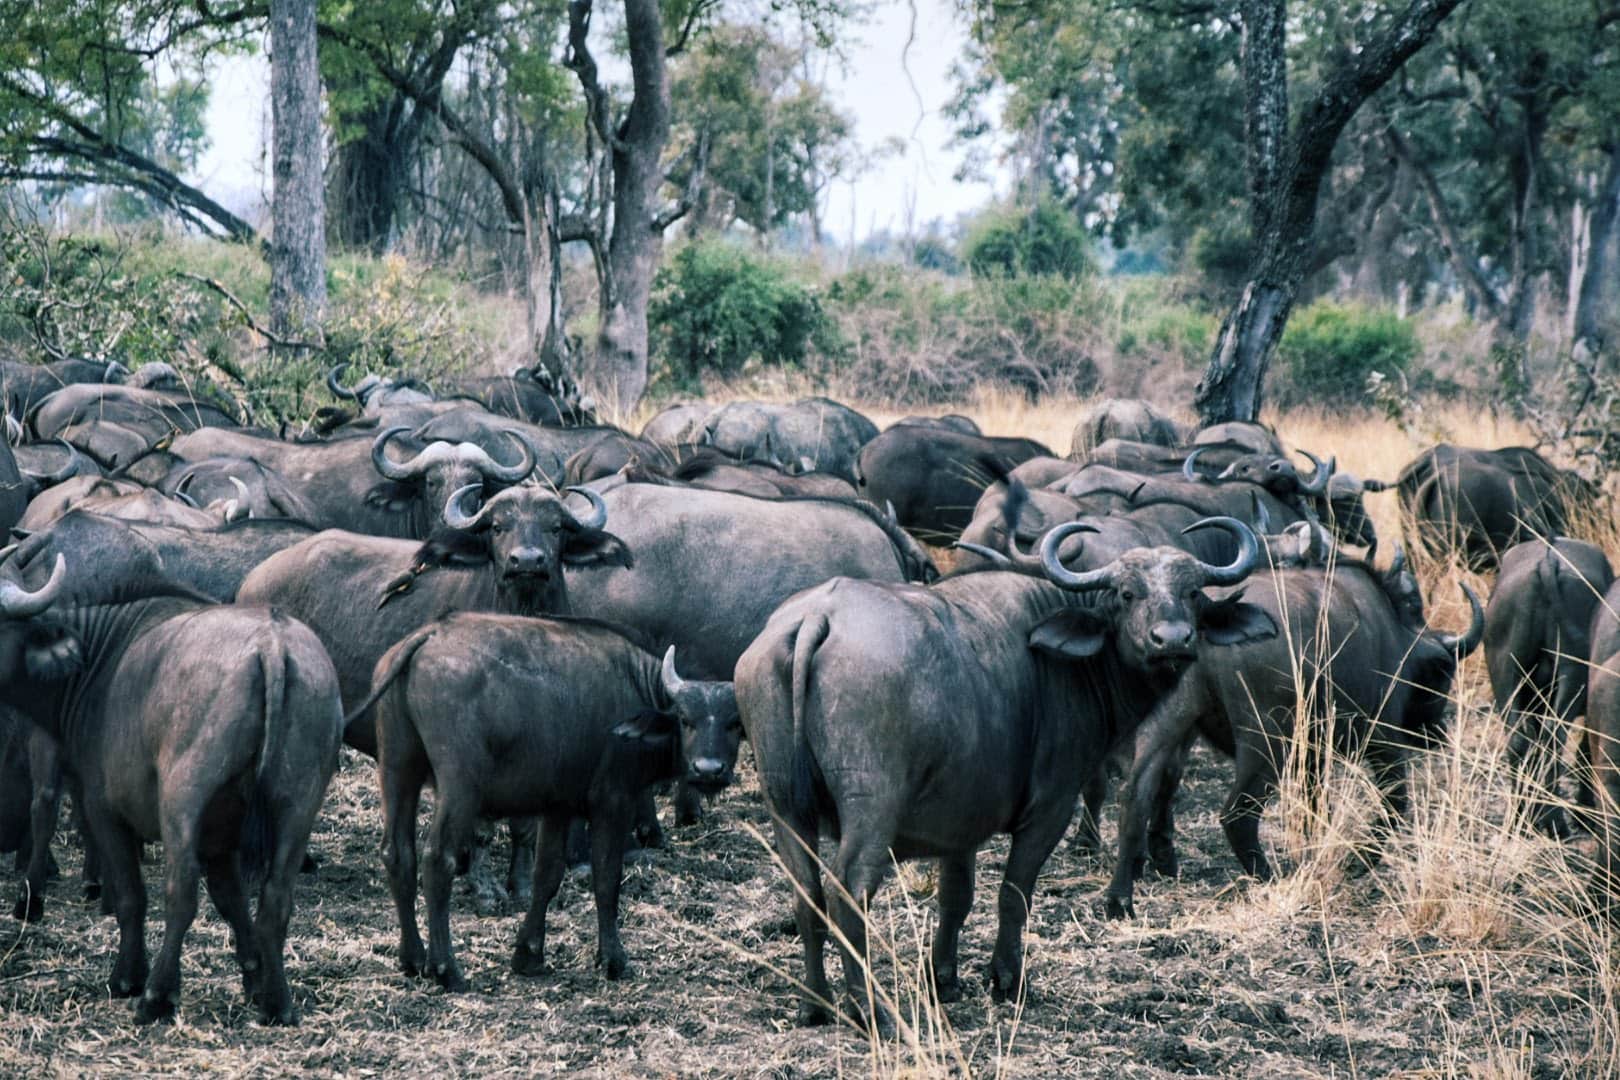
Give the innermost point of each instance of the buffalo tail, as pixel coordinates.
(802, 797)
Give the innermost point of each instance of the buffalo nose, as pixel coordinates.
(1171, 635)
(529, 559)
(708, 768)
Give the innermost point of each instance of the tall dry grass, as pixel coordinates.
(1465, 889)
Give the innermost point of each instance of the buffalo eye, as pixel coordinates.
(734, 727)
(497, 528)
(1127, 595)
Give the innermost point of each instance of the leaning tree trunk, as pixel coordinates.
(542, 266)
(297, 208)
(1285, 177)
(368, 182)
(619, 368)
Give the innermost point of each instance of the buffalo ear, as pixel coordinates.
(650, 727)
(392, 496)
(593, 547)
(52, 653)
(1071, 634)
(1232, 622)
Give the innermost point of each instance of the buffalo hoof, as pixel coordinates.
(522, 895)
(947, 987)
(30, 908)
(285, 1016)
(614, 963)
(529, 960)
(650, 835)
(1164, 861)
(250, 981)
(149, 1010)
(880, 1025)
(92, 890)
(1006, 980)
(310, 864)
(813, 1014)
(412, 960)
(123, 985)
(688, 809)
(449, 976)
(1118, 907)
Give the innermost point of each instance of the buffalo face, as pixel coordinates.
(711, 728)
(1154, 609)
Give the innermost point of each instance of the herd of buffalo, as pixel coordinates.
(547, 619)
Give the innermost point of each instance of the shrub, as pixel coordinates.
(1329, 349)
(1015, 241)
(716, 308)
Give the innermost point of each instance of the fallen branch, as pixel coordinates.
(253, 324)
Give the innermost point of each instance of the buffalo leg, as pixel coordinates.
(551, 861)
(276, 904)
(649, 834)
(402, 793)
(1087, 842)
(1252, 788)
(45, 808)
(862, 864)
(455, 819)
(520, 871)
(796, 846)
(1141, 791)
(488, 896)
(955, 901)
(1534, 749)
(121, 865)
(1031, 846)
(688, 804)
(1161, 828)
(223, 876)
(607, 869)
(179, 909)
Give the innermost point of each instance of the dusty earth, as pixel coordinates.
(1213, 978)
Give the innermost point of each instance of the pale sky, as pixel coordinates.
(874, 88)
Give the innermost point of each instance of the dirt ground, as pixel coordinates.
(1208, 980)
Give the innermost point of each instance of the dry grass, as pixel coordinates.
(1463, 953)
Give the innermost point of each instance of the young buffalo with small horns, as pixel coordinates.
(214, 729)
(578, 723)
(919, 722)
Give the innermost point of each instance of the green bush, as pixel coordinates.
(1015, 241)
(1329, 349)
(716, 308)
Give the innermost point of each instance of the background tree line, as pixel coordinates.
(1398, 152)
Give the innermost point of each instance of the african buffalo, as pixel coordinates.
(26, 385)
(550, 446)
(1354, 650)
(933, 477)
(674, 425)
(214, 729)
(918, 723)
(373, 393)
(1603, 747)
(1481, 502)
(579, 724)
(819, 430)
(950, 422)
(1123, 418)
(259, 490)
(532, 394)
(150, 413)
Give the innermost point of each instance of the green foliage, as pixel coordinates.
(1011, 241)
(1330, 350)
(717, 309)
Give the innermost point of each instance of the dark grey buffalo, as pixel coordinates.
(580, 722)
(816, 430)
(708, 468)
(917, 723)
(1258, 438)
(374, 393)
(950, 422)
(209, 728)
(532, 394)
(1537, 643)
(1355, 653)
(150, 413)
(26, 385)
(711, 566)
(1123, 418)
(117, 499)
(933, 477)
(1478, 503)
(421, 483)
(1603, 748)
(550, 446)
(258, 490)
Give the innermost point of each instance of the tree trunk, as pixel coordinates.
(1592, 305)
(298, 205)
(1285, 178)
(619, 368)
(542, 264)
(368, 182)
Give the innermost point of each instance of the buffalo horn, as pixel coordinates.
(453, 515)
(340, 391)
(404, 470)
(672, 681)
(983, 552)
(65, 472)
(598, 516)
(237, 508)
(1248, 550)
(1189, 466)
(1466, 642)
(17, 602)
(1058, 574)
(1397, 565)
(1318, 482)
(511, 474)
(1262, 516)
